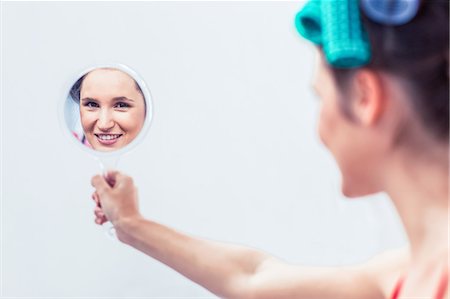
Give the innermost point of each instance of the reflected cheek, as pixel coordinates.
(129, 123)
(88, 120)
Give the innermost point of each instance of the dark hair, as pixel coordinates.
(76, 88)
(417, 52)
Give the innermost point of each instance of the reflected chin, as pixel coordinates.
(106, 149)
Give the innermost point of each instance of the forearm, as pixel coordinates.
(224, 269)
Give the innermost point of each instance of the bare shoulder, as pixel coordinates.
(428, 276)
(386, 268)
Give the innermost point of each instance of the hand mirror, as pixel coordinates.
(106, 111)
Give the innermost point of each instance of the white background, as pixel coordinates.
(232, 154)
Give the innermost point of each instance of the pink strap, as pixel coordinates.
(397, 288)
(443, 284)
(442, 288)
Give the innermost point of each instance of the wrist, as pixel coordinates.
(126, 226)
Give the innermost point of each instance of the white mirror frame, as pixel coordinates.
(148, 116)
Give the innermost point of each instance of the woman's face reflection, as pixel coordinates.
(112, 109)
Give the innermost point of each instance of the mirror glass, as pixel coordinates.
(107, 108)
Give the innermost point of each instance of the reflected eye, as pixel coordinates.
(91, 104)
(122, 105)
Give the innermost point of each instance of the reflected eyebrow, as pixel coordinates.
(88, 99)
(116, 99)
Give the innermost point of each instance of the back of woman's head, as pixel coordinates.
(418, 53)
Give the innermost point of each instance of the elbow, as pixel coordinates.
(243, 288)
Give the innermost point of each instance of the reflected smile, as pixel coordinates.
(108, 139)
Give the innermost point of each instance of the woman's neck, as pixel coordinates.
(419, 188)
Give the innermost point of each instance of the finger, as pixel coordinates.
(99, 213)
(94, 196)
(98, 210)
(99, 183)
(100, 220)
(103, 220)
(123, 180)
(96, 199)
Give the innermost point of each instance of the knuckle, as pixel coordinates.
(129, 180)
(94, 180)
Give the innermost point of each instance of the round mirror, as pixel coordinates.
(107, 109)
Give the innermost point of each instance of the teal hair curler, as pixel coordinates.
(308, 22)
(336, 26)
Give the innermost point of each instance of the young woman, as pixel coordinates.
(385, 118)
(112, 108)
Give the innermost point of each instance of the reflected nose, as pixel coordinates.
(105, 121)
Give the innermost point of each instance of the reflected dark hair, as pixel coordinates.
(76, 87)
(417, 52)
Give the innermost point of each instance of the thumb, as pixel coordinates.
(100, 183)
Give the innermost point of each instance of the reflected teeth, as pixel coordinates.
(109, 136)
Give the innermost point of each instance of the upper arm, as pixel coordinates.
(278, 280)
(371, 280)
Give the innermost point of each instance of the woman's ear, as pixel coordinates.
(369, 100)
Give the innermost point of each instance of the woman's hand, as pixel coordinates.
(116, 198)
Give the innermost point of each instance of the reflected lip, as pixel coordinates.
(107, 139)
